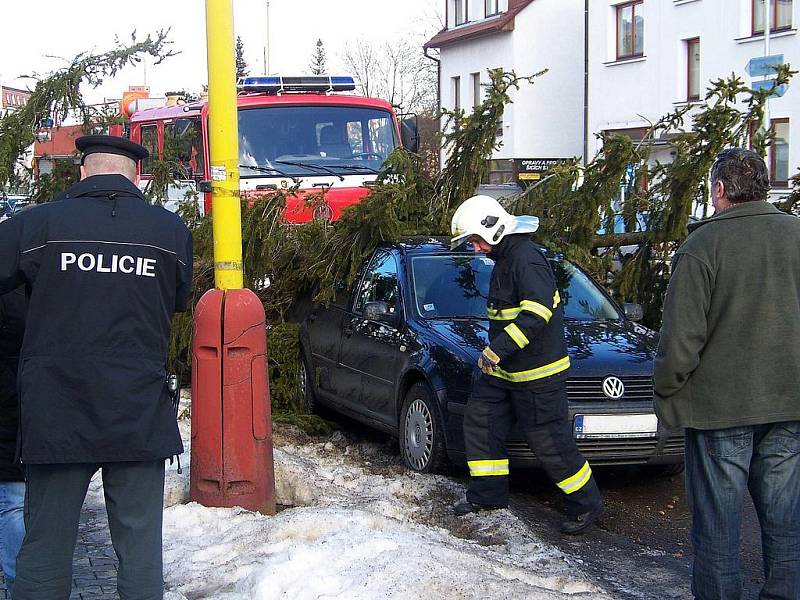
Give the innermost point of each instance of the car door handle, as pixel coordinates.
(348, 331)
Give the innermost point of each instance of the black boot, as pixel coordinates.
(464, 507)
(579, 523)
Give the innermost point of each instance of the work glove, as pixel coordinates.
(488, 361)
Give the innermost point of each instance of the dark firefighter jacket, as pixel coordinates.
(105, 272)
(526, 318)
(12, 326)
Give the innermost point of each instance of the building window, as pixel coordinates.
(492, 7)
(460, 11)
(500, 171)
(477, 96)
(456, 85)
(779, 154)
(780, 15)
(630, 30)
(693, 69)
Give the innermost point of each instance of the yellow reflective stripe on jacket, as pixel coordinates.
(533, 374)
(537, 309)
(484, 468)
(516, 334)
(556, 299)
(577, 481)
(509, 314)
(504, 314)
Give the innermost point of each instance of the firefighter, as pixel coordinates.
(524, 369)
(104, 272)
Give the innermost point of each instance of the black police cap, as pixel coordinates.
(110, 144)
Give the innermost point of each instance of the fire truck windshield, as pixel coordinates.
(314, 140)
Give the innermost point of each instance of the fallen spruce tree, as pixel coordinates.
(307, 263)
(304, 264)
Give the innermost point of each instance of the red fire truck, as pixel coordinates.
(299, 132)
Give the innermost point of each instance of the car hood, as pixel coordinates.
(596, 348)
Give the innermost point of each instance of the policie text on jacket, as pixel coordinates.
(129, 265)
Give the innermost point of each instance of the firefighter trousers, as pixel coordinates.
(543, 419)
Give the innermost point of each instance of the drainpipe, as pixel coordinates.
(767, 32)
(438, 98)
(586, 84)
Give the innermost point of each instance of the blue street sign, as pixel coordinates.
(768, 84)
(763, 66)
(630, 173)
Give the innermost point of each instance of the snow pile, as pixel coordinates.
(362, 527)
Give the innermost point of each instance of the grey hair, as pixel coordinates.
(743, 173)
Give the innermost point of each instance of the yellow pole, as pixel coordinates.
(223, 133)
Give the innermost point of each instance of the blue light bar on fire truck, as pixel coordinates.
(278, 84)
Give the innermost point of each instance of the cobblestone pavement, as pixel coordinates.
(94, 573)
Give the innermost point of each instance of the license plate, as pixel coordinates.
(615, 426)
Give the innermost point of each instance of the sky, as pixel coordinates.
(34, 35)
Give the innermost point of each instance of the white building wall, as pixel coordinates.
(632, 93)
(546, 118)
(477, 56)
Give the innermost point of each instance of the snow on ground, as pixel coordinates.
(358, 526)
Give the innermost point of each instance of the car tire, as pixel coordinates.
(422, 440)
(307, 386)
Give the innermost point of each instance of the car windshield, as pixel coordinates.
(457, 286)
(314, 140)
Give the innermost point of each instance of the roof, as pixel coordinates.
(254, 100)
(503, 22)
(13, 89)
(421, 243)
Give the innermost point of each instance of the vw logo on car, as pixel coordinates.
(613, 388)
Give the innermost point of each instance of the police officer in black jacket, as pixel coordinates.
(524, 369)
(105, 272)
(12, 482)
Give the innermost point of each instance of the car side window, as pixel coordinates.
(379, 283)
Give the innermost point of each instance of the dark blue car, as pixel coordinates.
(399, 353)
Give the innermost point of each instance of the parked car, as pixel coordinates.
(399, 353)
(12, 204)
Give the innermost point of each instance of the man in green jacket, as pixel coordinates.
(728, 371)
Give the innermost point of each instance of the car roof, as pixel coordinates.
(426, 245)
(417, 245)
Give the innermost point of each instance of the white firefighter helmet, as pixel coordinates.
(484, 216)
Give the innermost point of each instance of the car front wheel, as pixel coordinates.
(422, 443)
(307, 387)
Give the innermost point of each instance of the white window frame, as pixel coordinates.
(455, 86)
(460, 12)
(477, 92)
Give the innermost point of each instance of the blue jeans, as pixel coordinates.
(12, 527)
(721, 465)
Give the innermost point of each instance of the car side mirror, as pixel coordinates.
(409, 134)
(634, 312)
(379, 311)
